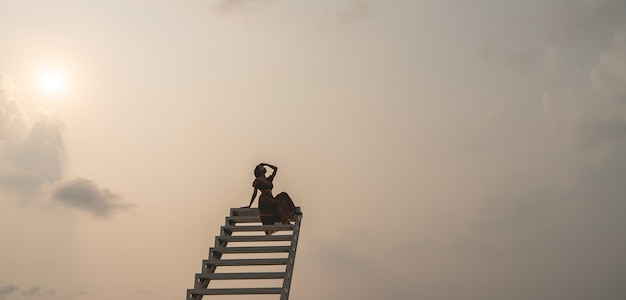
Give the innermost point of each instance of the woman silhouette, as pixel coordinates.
(272, 209)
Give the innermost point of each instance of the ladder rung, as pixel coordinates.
(243, 219)
(259, 249)
(239, 291)
(250, 211)
(244, 211)
(235, 212)
(257, 228)
(246, 262)
(222, 276)
(255, 238)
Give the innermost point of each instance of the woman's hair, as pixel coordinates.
(259, 170)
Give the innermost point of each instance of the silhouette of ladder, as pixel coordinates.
(253, 237)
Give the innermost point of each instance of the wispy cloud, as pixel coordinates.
(36, 291)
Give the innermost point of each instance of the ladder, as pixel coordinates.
(252, 236)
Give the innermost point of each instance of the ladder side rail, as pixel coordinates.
(292, 257)
(203, 283)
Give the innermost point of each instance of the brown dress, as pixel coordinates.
(273, 209)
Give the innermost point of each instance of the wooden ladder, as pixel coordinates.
(252, 233)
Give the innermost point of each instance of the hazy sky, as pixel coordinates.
(439, 150)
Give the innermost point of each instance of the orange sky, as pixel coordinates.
(438, 149)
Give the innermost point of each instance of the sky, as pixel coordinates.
(439, 150)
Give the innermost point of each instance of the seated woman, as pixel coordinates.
(272, 209)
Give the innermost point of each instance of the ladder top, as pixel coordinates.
(251, 211)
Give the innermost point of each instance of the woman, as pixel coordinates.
(272, 209)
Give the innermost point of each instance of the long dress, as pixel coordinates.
(273, 209)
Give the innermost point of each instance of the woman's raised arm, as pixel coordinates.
(274, 170)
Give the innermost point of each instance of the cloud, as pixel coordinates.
(561, 30)
(6, 290)
(36, 291)
(599, 129)
(548, 224)
(565, 20)
(85, 195)
(593, 113)
(31, 150)
(566, 217)
(609, 76)
(32, 157)
(12, 115)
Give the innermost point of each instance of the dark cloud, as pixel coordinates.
(84, 194)
(7, 289)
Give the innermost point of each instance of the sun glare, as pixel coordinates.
(52, 81)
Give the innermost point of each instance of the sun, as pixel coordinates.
(52, 81)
